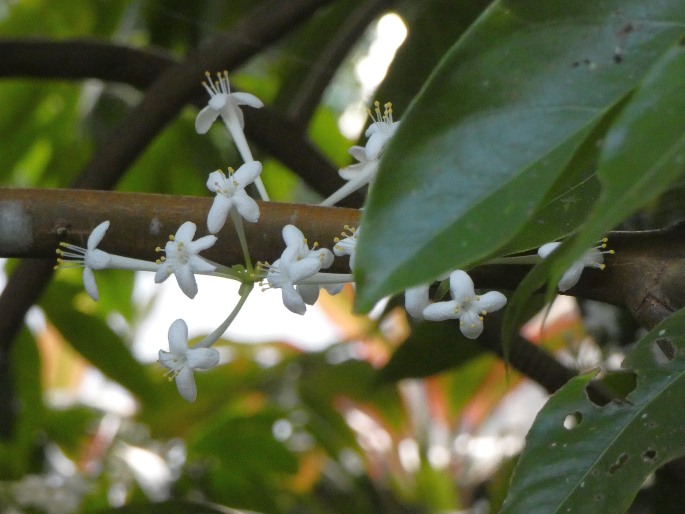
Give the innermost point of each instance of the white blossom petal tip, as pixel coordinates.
(181, 361)
(593, 258)
(182, 259)
(416, 300)
(466, 306)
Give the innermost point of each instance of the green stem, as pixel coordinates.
(238, 222)
(245, 290)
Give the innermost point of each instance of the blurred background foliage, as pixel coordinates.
(277, 428)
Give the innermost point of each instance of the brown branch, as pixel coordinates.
(38, 219)
(646, 275)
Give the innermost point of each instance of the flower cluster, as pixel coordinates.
(299, 271)
(296, 272)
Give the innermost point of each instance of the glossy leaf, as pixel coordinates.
(601, 460)
(643, 153)
(495, 125)
(430, 349)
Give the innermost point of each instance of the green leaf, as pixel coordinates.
(643, 153)
(430, 349)
(495, 126)
(599, 464)
(433, 27)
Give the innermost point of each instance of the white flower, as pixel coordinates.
(90, 258)
(223, 103)
(465, 305)
(230, 192)
(593, 258)
(297, 263)
(364, 170)
(380, 131)
(182, 258)
(181, 360)
(347, 245)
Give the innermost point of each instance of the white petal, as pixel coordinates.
(199, 265)
(186, 281)
(375, 145)
(178, 337)
(333, 289)
(571, 277)
(305, 268)
(358, 152)
(309, 293)
(89, 284)
(168, 360)
(97, 234)
(324, 255)
(185, 382)
(204, 119)
(247, 99)
(461, 286)
(202, 358)
(185, 232)
(216, 181)
(470, 325)
(292, 235)
(545, 250)
(441, 311)
(216, 219)
(247, 173)
(246, 206)
(292, 299)
(201, 244)
(491, 301)
(416, 300)
(162, 273)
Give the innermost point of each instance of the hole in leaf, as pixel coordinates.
(573, 420)
(615, 386)
(599, 497)
(649, 456)
(663, 350)
(618, 464)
